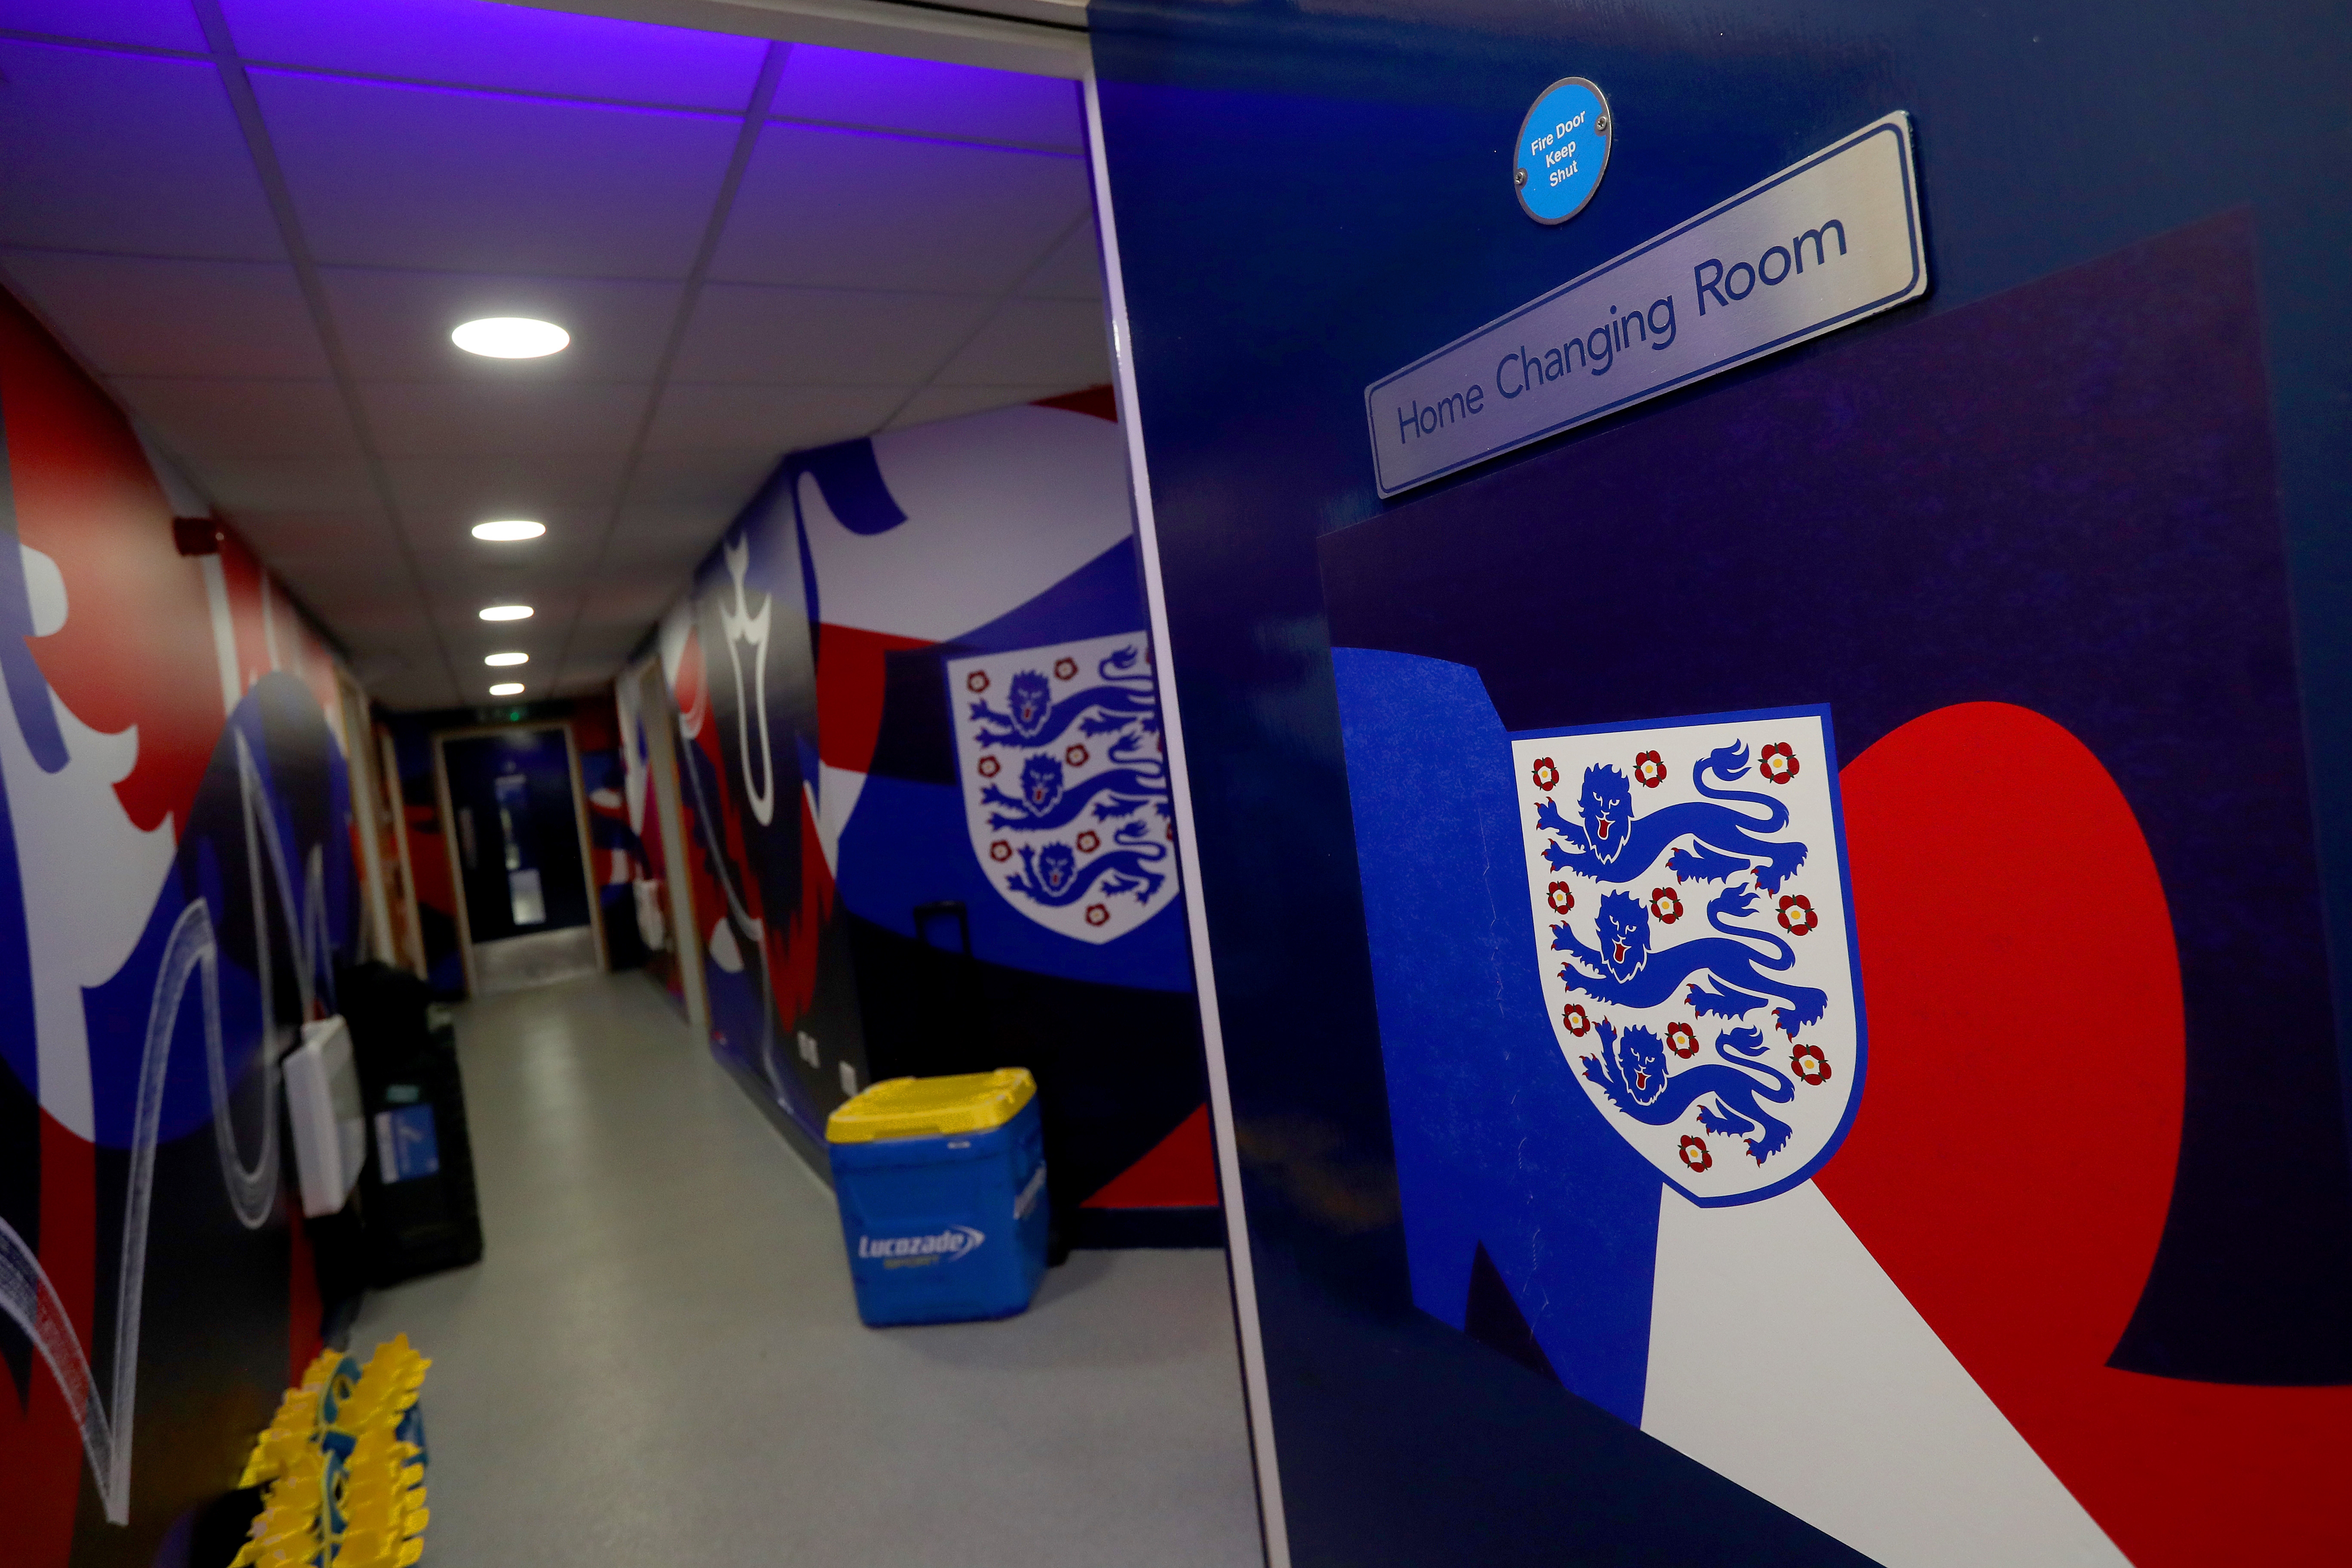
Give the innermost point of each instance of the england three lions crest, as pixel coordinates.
(1694, 932)
(1064, 780)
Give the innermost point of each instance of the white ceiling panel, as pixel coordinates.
(666, 559)
(1033, 341)
(1072, 271)
(824, 337)
(197, 417)
(359, 540)
(936, 403)
(137, 316)
(409, 176)
(284, 484)
(910, 243)
(717, 484)
(160, 24)
(699, 416)
(620, 604)
(464, 44)
(442, 536)
(846, 87)
(396, 325)
(473, 419)
(502, 485)
(124, 152)
(861, 209)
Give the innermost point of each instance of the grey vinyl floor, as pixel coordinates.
(658, 1360)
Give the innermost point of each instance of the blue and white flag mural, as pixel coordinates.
(1064, 781)
(1687, 881)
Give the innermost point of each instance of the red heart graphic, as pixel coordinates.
(2013, 1155)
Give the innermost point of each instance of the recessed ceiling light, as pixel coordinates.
(510, 337)
(506, 613)
(507, 689)
(501, 659)
(509, 530)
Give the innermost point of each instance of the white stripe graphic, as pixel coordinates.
(1783, 1358)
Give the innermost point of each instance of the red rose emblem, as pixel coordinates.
(988, 767)
(1562, 898)
(1096, 915)
(1779, 761)
(1064, 669)
(1089, 842)
(1076, 756)
(1544, 774)
(1572, 1019)
(1682, 1039)
(1695, 1154)
(976, 682)
(1000, 850)
(1667, 905)
(1808, 1063)
(1797, 915)
(1650, 769)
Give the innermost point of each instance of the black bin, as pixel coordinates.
(417, 1185)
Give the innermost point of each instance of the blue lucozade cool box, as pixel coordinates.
(941, 1182)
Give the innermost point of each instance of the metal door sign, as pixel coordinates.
(1822, 244)
(1563, 150)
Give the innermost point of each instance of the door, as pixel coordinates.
(515, 837)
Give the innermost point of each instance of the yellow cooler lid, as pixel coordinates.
(930, 1107)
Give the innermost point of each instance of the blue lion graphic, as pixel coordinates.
(1052, 875)
(1630, 973)
(1031, 716)
(1632, 1072)
(1045, 800)
(1611, 844)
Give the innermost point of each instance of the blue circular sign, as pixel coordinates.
(1563, 150)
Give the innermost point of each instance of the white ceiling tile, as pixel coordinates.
(473, 419)
(196, 417)
(361, 535)
(857, 210)
(703, 416)
(125, 153)
(621, 603)
(408, 176)
(465, 43)
(716, 483)
(822, 337)
(1034, 342)
(135, 316)
(396, 325)
(849, 86)
(442, 535)
(936, 403)
(160, 24)
(1072, 271)
(407, 689)
(284, 484)
(483, 488)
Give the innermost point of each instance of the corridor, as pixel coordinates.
(658, 1360)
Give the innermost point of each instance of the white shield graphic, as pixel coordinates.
(1064, 781)
(1695, 934)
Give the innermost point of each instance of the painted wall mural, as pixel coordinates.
(177, 888)
(1977, 1281)
(925, 786)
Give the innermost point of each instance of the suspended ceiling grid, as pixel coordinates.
(257, 221)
